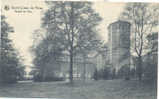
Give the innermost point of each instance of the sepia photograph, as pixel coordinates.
(78, 49)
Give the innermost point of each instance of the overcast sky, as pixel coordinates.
(25, 23)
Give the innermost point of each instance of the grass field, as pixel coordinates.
(108, 89)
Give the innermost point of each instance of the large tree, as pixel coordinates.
(144, 18)
(151, 61)
(10, 65)
(45, 50)
(73, 24)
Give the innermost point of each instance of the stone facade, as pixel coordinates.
(119, 44)
(61, 67)
(79, 64)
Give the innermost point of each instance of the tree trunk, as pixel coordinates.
(140, 69)
(71, 67)
(129, 69)
(84, 68)
(71, 43)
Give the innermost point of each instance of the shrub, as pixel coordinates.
(102, 73)
(38, 78)
(95, 75)
(54, 79)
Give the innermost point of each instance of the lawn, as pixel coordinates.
(102, 89)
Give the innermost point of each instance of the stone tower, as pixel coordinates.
(119, 44)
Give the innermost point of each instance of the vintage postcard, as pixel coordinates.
(79, 49)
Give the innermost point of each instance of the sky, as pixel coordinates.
(25, 23)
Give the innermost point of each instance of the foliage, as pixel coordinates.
(143, 18)
(95, 75)
(11, 67)
(125, 72)
(47, 50)
(72, 25)
(104, 73)
(38, 78)
(151, 61)
(150, 71)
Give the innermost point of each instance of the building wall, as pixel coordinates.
(62, 67)
(101, 59)
(119, 44)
